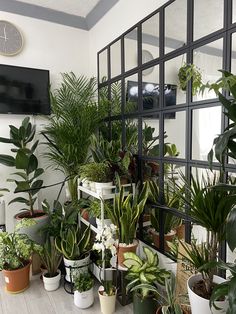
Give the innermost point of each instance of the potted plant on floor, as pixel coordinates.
(100, 174)
(143, 275)
(15, 258)
(169, 300)
(209, 208)
(125, 215)
(83, 291)
(105, 244)
(26, 175)
(74, 245)
(51, 260)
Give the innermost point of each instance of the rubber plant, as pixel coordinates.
(25, 162)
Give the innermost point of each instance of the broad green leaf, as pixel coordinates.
(22, 160)
(7, 160)
(134, 257)
(33, 164)
(20, 174)
(19, 200)
(36, 186)
(22, 186)
(231, 230)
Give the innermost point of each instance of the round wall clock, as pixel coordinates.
(146, 57)
(11, 40)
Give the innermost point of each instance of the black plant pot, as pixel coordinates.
(147, 305)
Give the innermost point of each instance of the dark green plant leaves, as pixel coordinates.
(19, 200)
(22, 186)
(7, 160)
(36, 186)
(33, 164)
(231, 230)
(22, 159)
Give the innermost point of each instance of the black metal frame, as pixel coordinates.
(224, 33)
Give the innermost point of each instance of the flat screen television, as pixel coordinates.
(24, 90)
(150, 95)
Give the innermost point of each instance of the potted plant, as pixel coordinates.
(190, 72)
(105, 243)
(170, 302)
(15, 258)
(51, 260)
(74, 244)
(125, 215)
(143, 275)
(100, 174)
(95, 211)
(83, 291)
(26, 176)
(209, 208)
(75, 117)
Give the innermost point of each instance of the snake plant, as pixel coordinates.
(126, 212)
(73, 243)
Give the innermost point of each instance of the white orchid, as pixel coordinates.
(105, 239)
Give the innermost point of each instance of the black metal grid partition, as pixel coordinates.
(150, 54)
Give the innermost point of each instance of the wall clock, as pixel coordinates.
(11, 40)
(146, 57)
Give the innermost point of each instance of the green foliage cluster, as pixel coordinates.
(143, 274)
(126, 212)
(15, 250)
(73, 243)
(190, 72)
(51, 258)
(76, 116)
(83, 282)
(96, 172)
(25, 161)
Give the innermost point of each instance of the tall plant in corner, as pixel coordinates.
(26, 163)
(75, 118)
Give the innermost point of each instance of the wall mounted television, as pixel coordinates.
(24, 90)
(150, 96)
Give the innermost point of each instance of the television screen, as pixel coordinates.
(150, 95)
(24, 90)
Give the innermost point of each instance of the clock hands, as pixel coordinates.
(5, 36)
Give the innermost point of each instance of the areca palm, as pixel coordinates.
(75, 118)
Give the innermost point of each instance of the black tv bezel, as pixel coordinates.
(48, 95)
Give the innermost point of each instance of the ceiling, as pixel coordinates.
(83, 14)
(75, 7)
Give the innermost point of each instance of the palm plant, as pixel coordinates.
(75, 118)
(50, 257)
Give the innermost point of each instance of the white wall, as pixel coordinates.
(120, 18)
(48, 46)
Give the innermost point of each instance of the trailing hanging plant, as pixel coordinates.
(190, 72)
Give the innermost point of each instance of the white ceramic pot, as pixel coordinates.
(51, 283)
(92, 186)
(84, 299)
(74, 272)
(107, 303)
(101, 274)
(201, 305)
(103, 188)
(107, 222)
(86, 184)
(2, 212)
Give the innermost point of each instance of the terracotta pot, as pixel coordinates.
(159, 311)
(180, 231)
(167, 237)
(84, 213)
(123, 249)
(17, 280)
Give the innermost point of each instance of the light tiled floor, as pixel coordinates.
(36, 300)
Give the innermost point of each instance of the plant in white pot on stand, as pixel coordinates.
(100, 174)
(209, 208)
(105, 243)
(83, 291)
(74, 244)
(51, 260)
(95, 211)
